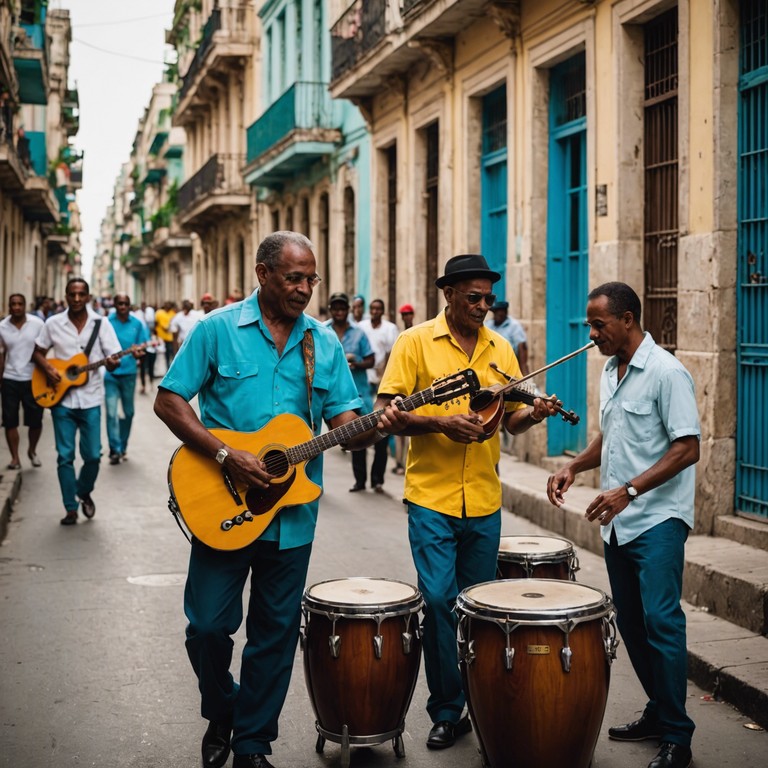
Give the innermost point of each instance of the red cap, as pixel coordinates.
(206, 297)
(405, 309)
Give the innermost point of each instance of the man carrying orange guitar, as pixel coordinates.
(250, 363)
(73, 333)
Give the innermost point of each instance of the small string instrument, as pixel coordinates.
(489, 401)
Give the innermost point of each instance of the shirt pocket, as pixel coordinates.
(232, 376)
(638, 421)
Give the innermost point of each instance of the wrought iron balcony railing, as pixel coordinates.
(362, 26)
(304, 106)
(219, 175)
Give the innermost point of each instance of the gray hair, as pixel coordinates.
(271, 247)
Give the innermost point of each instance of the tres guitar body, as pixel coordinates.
(73, 372)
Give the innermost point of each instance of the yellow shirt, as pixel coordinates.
(441, 474)
(163, 324)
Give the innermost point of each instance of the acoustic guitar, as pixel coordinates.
(73, 372)
(206, 502)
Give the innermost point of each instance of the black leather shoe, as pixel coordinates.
(216, 744)
(672, 756)
(89, 508)
(639, 730)
(251, 761)
(355, 488)
(444, 733)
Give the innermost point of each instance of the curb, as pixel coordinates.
(10, 485)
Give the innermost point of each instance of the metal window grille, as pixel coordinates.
(431, 189)
(752, 265)
(350, 237)
(391, 158)
(495, 121)
(661, 232)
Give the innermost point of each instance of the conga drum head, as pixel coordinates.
(533, 600)
(361, 595)
(532, 556)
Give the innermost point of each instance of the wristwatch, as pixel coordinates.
(631, 490)
(221, 455)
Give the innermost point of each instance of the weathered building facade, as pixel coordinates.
(575, 143)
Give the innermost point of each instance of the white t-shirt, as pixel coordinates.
(18, 344)
(182, 322)
(382, 339)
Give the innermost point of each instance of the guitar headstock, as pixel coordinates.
(453, 386)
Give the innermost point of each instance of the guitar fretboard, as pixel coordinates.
(346, 432)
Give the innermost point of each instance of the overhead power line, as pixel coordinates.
(117, 53)
(122, 21)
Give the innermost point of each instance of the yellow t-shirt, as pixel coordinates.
(163, 324)
(442, 474)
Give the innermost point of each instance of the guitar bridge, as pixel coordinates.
(231, 487)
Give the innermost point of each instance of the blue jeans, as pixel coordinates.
(450, 554)
(646, 576)
(119, 390)
(213, 603)
(66, 422)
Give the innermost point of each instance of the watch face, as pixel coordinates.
(632, 491)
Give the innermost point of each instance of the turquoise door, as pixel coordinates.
(493, 187)
(752, 292)
(567, 250)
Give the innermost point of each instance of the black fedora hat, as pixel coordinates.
(464, 267)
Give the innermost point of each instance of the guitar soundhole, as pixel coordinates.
(481, 400)
(276, 463)
(72, 373)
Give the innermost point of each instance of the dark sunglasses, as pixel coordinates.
(476, 298)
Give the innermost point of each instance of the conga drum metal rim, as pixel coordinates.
(365, 598)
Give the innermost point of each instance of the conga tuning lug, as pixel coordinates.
(407, 640)
(378, 642)
(509, 658)
(334, 643)
(565, 657)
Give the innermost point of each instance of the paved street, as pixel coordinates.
(94, 671)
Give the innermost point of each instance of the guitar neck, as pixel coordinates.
(346, 432)
(98, 363)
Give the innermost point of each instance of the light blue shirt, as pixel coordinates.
(131, 332)
(511, 329)
(231, 362)
(356, 343)
(640, 416)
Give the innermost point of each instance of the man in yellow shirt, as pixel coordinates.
(163, 317)
(452, 488)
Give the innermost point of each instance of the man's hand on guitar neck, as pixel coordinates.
(111, 362)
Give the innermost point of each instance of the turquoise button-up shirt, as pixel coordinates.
(128, 333)
(356, 343)
(640, 416)
(230, 362)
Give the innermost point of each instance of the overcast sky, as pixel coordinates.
(116, 57)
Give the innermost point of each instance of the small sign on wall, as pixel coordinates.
(601, 199)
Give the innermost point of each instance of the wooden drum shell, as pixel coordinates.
(536, 715)
(356, 690)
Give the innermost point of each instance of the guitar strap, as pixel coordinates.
(92, 340)
(308, 350)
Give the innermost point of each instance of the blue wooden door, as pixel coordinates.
(567, 250)
(493, 187)
(752, 268)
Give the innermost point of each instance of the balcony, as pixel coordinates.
(215, 190)
(369, 46)
(31, 63)
(70, 112)
(12, 172)
(227, 39)
(301, 126)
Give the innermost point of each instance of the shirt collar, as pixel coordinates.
(484, 337)
(251, 313)
(640, 358)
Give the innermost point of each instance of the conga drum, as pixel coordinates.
(536, 557)
(535, 657)
(362, 650)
